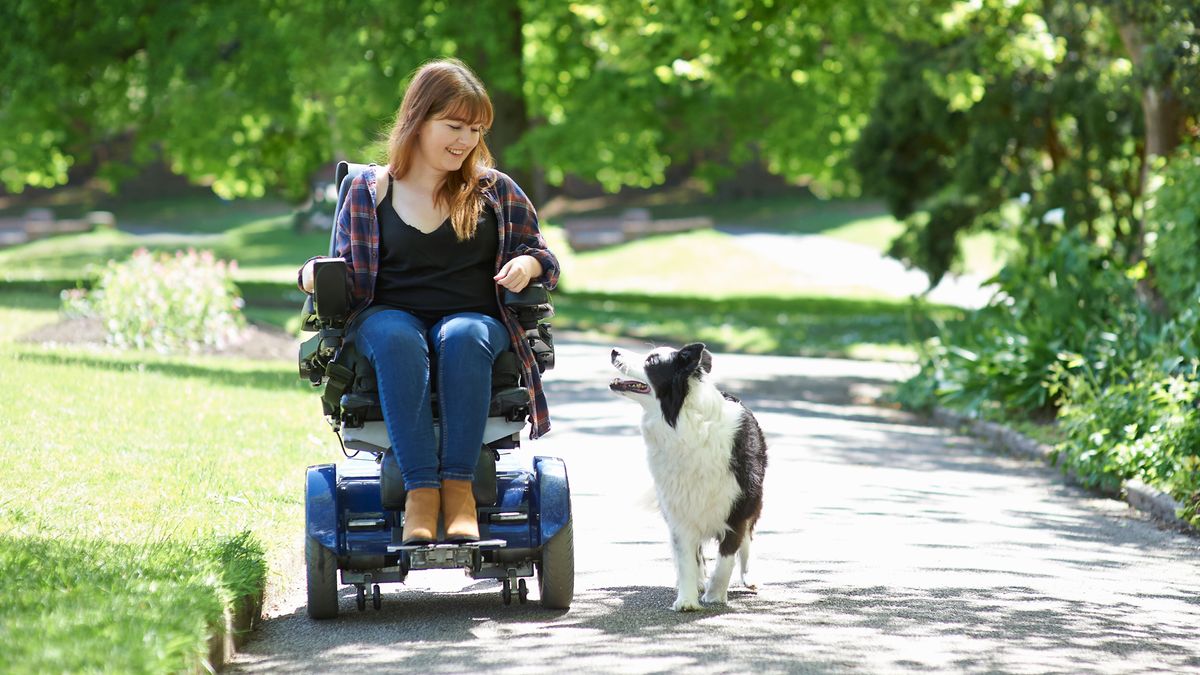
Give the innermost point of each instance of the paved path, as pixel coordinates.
(886, 545)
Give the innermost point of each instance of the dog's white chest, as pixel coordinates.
(690, 463)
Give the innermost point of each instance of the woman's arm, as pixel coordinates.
(527, 257)
(352, 242)
(341, 249)
(516, 274)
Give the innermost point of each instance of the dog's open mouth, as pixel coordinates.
(631, 386)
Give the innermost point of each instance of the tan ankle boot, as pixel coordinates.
(458, 506)
(421, 516)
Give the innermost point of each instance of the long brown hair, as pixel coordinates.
(445, 88)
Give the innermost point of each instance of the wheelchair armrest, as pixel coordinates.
(532, 295)
(331, 291)
(325, 313)
(530, 306)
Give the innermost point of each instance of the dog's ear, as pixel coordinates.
(696, 356)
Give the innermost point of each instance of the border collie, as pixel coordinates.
(707, 456)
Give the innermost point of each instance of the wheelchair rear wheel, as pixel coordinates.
(556, 570)
(321, 566)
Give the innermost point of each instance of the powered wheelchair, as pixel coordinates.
(354, 510)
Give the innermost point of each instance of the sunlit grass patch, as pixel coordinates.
(144, 494)
(759, 325)
(75, 603)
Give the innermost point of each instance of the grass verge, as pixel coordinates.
(145, 494)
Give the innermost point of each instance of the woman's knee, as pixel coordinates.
(394, 333)
(471, 331)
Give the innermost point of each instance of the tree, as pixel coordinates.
(1034, 100)
(947, 108)
(260, 94)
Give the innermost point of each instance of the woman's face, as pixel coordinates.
(444, 143)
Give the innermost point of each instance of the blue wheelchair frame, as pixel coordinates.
(353, 510)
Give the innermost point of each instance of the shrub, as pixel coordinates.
(1173, 214)
(1072, 333)
(1139, 427)
(1140, 421)
(1065, 298)
(164, 302)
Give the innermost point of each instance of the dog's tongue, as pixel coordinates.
(628, 385)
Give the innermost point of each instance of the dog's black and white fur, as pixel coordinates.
(707, 456)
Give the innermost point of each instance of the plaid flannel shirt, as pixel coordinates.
(357, 240)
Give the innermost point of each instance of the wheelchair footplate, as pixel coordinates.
(446, 556)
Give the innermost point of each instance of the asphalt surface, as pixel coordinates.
(886, 545)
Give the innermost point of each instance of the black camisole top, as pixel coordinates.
(434, 275)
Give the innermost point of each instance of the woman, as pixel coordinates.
(431, 240)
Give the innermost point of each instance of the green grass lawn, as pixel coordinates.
(702, 263)
(192, 210)
(796, 326)
(729, 302)
(260, 237)
(266, 249)
(143, 493)
(858, 221)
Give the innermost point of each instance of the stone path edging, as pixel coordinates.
(1139, 495)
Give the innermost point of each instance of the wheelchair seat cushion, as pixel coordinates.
(361, 403)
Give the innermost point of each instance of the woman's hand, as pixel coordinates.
(306, 276)
(518, 272)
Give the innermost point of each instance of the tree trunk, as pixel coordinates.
(1162, 113)
(1163, 117)
(502, 70)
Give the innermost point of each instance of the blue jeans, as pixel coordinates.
(464, 347)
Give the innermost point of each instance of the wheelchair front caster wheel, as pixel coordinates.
(522, 591)
(376, 600)
(506, 592)
(361, 598)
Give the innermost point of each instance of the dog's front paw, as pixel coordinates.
(749, 585)
(714, 598)
(686, 605)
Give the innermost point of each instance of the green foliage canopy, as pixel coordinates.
(947, 108)
(258, 95)
(1062, 104)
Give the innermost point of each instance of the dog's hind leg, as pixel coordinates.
(718, 584)
(687, 573)
(744, 564)
(717, 590)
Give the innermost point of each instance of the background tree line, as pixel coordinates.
(947, 108)
(259, 95)
(1070, 126)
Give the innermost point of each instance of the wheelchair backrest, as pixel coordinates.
(345, 174)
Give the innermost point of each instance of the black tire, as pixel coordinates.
(556, 569)
(321, 566)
